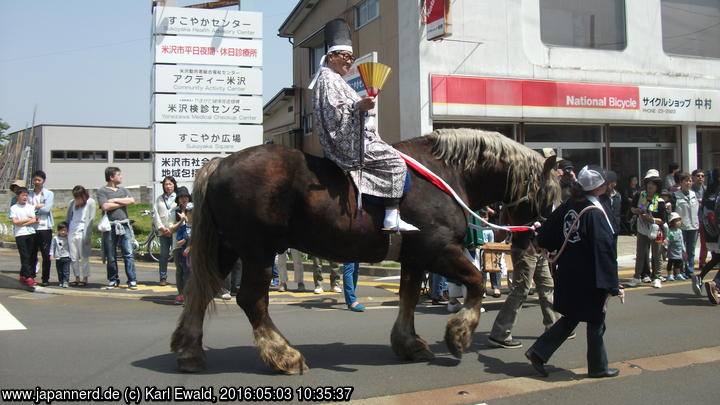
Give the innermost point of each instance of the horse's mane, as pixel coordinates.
(467, 148)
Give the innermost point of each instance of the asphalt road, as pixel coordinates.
(665, 341)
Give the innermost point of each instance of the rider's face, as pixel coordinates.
(340, 62)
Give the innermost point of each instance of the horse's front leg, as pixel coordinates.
(253, 298)
(460, 327)
(405, 342)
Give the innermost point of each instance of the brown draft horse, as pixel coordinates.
(265, 199)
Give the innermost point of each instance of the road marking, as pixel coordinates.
(508, 387)
(389, 278)
(9, 322)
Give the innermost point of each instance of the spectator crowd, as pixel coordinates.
(669, 216)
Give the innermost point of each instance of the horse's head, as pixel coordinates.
(542, 195)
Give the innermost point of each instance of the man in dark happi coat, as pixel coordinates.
(586, 273)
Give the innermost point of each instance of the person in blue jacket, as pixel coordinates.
(586, 273)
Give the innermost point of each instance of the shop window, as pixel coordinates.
(633, 134)
(76, 155)
(131, 156)
(583, 23)
(367, 11)
(690, 27)
(562, 133)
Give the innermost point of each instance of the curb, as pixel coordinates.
(365, 270)
(326, 298)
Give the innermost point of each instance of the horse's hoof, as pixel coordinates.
(414, 350)
(295, 370)
(458, 336)
(422, 355)
(191, 364)
(453, 346)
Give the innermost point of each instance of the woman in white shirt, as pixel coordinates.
(162, 221)
(81, 217)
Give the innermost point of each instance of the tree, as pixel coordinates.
(3, 136)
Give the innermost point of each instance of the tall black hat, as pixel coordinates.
(337, 36)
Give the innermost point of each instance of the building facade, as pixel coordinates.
(72, 155)
(629, 85)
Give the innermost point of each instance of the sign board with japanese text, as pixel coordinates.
(470, 96)
(206, 87)
(437, 14)
(208, 50)
(353, 75)
(182, 166)
(207, 79)
(213, 109)
(214, 23)
(205, 137)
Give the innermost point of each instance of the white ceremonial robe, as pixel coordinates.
(349, 138)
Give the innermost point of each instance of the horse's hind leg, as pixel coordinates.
(187, 338)
(253, 298)
(460, 327)
(403, 339)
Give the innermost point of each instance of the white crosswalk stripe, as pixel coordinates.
(9, 322)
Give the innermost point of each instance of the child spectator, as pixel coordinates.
(182, 249)
(59, 251)
(23, 218)
(81, 217)
(676, 249)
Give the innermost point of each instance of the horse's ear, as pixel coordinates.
(549, 166)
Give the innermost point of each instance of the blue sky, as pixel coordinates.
(88, 62)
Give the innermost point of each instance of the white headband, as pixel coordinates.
(336, 48)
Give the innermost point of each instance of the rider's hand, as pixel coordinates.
(367, 103)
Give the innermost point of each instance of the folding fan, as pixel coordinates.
(374, 75)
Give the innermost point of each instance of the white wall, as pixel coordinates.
(65, 175)
(502, 39)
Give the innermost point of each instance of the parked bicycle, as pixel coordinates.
(151, 245)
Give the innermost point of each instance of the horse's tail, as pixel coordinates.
(204, 280)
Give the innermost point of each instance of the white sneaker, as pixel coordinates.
(454, 307)
(482, 309)
(226, 296)
(646, 279)
(318, 290)
(657, 283)
(336, 288)
(634, 282)
(282, 287)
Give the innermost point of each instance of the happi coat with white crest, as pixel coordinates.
(349, 138)
(586, 270)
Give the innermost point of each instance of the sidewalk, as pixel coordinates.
(369, 287)
(375, 285)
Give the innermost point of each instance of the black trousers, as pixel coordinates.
(43, 239)
(551, 340)
(26, 246)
